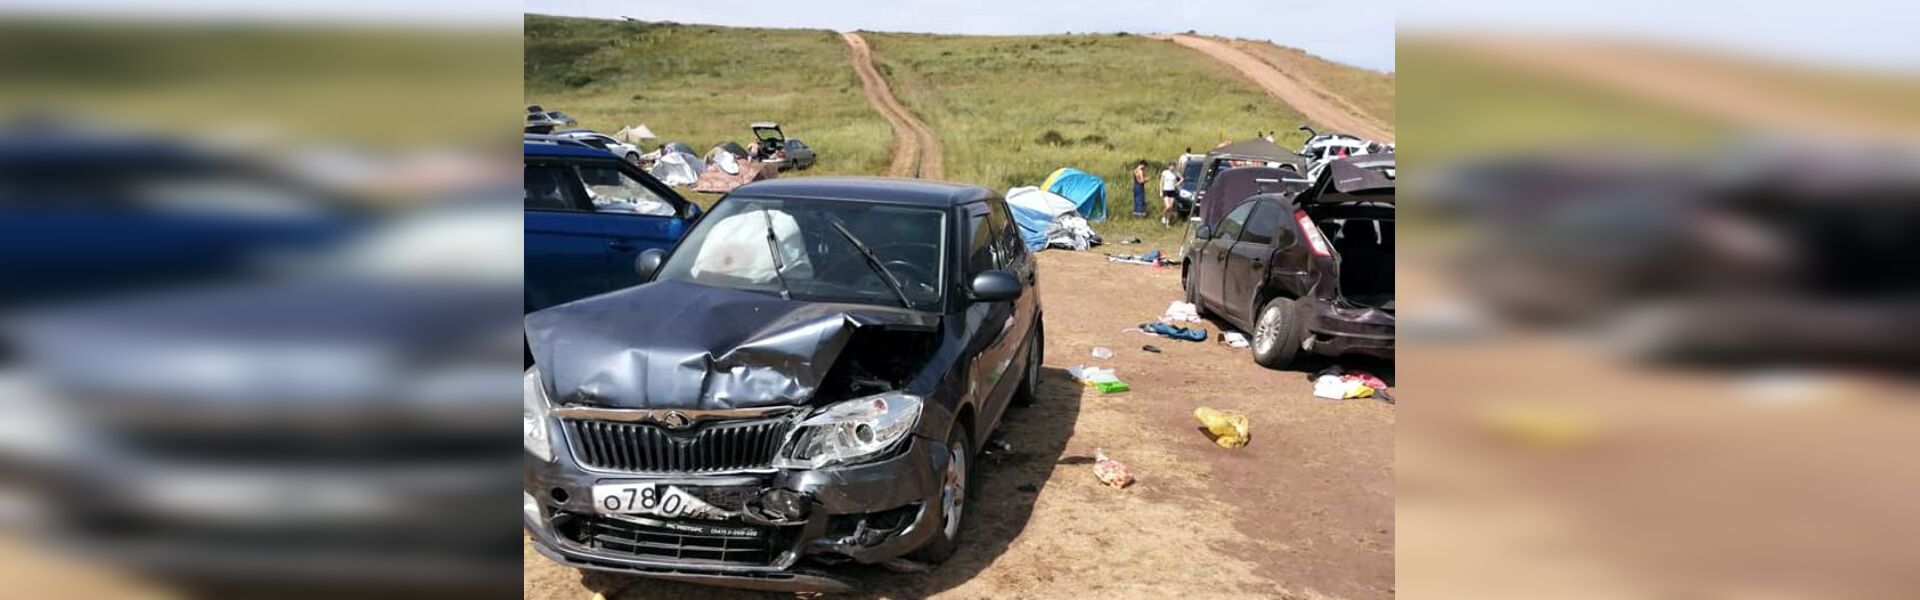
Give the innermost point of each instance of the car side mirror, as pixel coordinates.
(692, 213)
(648, 263)
(1203, 233)
(995, 286)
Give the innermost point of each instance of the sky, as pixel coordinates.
(1355, 32)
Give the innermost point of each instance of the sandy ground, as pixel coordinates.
(1304, 511)
(1314, 103)
(916, 152)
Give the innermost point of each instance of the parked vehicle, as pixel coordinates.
(588, 215)
(1190, 166)
(631, 152)
(351, 417)
(778, 149)
(805, 381)
(561, 118)
(541, 124)
(1304, 270)
(91, 212)
(1321, 148)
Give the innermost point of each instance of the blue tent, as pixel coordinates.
(1088, 193)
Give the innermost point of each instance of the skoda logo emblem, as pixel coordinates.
(674, 419)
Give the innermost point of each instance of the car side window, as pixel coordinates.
(1007, 244)
(1264, 225)
(980, 253)
(548, 188)
(613, 191)
(1230, 227)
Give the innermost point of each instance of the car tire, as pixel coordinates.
(1029, 391)
(946, 539)
(1276, 334)
(1192, 291)
(633, 157)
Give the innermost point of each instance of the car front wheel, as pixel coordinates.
(1029, 391)
(1277, 334)
(953, 497)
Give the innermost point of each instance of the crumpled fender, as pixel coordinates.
(675, 344)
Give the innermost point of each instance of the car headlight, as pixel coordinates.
(533, 416)
(1188, 194)
(852, 431)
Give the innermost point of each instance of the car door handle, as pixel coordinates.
(620, 246)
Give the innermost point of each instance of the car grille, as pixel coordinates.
(677, 540)
(647, 448)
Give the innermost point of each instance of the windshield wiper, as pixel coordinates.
(773, 248)
(872, 261)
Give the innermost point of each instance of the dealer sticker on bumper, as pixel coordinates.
(658, 500)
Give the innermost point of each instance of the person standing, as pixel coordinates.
(1140, 189)
(1169, 187)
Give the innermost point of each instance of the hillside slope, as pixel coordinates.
(703, 85)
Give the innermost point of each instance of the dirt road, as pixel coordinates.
(1314, 102)
(916, 152)
(1304, 511)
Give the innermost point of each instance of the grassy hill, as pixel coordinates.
(703, 85)
(1008, 110)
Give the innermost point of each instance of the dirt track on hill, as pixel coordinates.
(1317, 104)
(916, 152)
(1304, 512)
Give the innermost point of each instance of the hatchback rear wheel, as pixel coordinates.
(1276, 335)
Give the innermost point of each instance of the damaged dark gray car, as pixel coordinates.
(804, 382)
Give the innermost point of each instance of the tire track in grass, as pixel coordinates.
(1300, 94)
(916, 152)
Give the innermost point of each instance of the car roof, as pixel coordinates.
(533, 146)
(887, 190)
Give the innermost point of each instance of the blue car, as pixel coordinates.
(589, 214)
(85, 214)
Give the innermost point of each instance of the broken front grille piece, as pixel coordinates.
(649, 448)
(721, 542)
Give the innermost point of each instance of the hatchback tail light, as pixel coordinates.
(1315, 240)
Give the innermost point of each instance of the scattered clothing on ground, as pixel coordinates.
(1181, 312)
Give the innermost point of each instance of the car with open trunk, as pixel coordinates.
(1305, 268)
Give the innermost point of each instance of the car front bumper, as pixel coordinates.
(865, 513)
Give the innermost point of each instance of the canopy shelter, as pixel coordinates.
(634, 134)
(1088, 193)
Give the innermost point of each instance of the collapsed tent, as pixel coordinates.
(1088, 193)
(1048, 219)
(677, 168)
(719, 181)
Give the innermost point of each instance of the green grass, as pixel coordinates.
(703, 85)
(1010, 110)
(1369, 91)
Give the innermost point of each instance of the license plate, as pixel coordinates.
(658, 500)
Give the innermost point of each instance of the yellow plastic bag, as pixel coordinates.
(1230, 430)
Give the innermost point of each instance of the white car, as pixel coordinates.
(631, 152)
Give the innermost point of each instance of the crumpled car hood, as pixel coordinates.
(675, 344)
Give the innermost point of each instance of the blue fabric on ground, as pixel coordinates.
(1177, 332)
